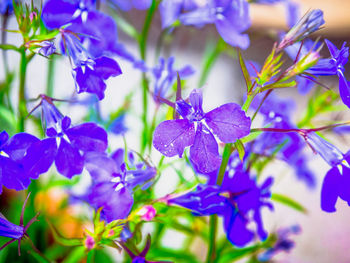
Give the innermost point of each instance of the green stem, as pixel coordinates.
(50, 77)
(143, 53)
(21, 91)
(225, 158)
(209, 61)
(213, 223)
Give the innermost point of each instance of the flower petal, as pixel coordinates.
(330, 190)
(204, 152)
(39, 157)
(88, 137)
(228, 122)
(173, 136)
(68, 161)
(12, 174)
(57, 13)
(344, 89)
(17, 146)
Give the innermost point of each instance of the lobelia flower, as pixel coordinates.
(19, 161)
(47, 48)
(238, 200)
(283, 244)
(15, 232)
(230, 17)
(113, 183)
(127, 5)
(165, 76)
(337, 180)
(308, 24)
(228, 122)
(277, 113)
(6, 7)
(73, 140)
(91, 66)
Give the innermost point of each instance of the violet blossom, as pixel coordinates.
(113, 183)
(228, 122)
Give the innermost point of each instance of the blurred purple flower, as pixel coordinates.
(283, 244)
(127, 5)
(165, 76)
(47, 48)
(113, 184)
(228, 122)
(6, 7)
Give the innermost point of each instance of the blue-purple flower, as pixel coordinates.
(238, 200)
(228, 122)
(47, 48)
(337, 180)
(91, 64)
(127, 5)
(231, 17)
(165, 76)
(113, 183)
(6, 7)
(73, 140)
(19, 161)
(13, 231)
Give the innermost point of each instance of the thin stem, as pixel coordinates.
(300, 131)
(3, 41)
(21, 92)
(50, 77)
(261, 103)
(213, 223)
(143, 53)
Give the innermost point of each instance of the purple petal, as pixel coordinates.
(106, 68)
(330, 190)
(12, 174)
(40, 157)
(116, 204)
(88, 137)
(169, 11)
(173, 136)
(142, 4)
(344, 192)
(89, 81)
(196, 100)
(3, 138)
(8, 229)
(100, 166)
(228, 122)
(57, 13)
(236, 228)
(344, 89)
(204, 152)
(17, 146)
(68, 161)
(332, 48)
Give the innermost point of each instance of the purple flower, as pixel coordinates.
(228, 122)
(277, 113)
(337, 180)
(335, 66)
(113, 183)
(308, 24)
(73, 140)
(230, 17)
(15, 232)
(47, 48)
(165, 76)
(127, 5)
(91, 66)
(239, 201)
(284, 243)
(6, 7)
(19, 161)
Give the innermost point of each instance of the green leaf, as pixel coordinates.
(278, 85)
(8, 47)
(76, 255)
(236, 254)
(69, 242)
(244, 71)
(240, 148)
(285, 200)
(126, 27)
(7, 120)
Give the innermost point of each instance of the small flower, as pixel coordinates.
(165, 76)
(284, 243)
(337, 180)
(228, 122)
(15, 232)
(147, 212)
(308, 24)
(238, 200)
(113, 184)
(47, 48)
(89, 242)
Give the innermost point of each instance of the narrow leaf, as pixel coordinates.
(244, 71)
(285, 200)
(240, 148)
